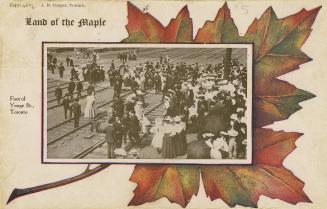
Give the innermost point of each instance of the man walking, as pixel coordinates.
(65, 104)
(58, 93)
(61, 70)
(109, 139)
(133, 129)
(76, 109)
(71, 88)
(117, 132)
(79, 89)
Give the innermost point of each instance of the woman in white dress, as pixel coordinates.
(217, 145)
(89, 111)
(139, 113)
(158, 132)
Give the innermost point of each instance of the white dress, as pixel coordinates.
(158, 136)
(144, 121)
(89, 111)
(216, 146)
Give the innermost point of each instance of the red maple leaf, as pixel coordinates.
(277, 50)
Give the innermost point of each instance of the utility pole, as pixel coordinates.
(227, 63)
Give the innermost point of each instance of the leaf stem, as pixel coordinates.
(86, 173)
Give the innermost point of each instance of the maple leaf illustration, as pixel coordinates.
(277, 50)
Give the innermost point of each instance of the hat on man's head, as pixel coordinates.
(223, 133)
(208, 135)
(232, 133)
(178, 119)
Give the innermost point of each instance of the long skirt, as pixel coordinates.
(180, 143)
(89, 112)
(168, 147)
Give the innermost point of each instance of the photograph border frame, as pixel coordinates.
(152, 161)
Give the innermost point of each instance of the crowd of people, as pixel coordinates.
(205, 100)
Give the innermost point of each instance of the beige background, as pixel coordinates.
(21, 75)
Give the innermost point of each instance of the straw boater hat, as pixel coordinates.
(139, 103)
(208, 135)
(239, 110)
(178, 119)
(224, 133)
(232, 133)
(167, 97)
(168, 118)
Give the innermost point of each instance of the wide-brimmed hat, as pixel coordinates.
(239, 110)
(224, 133)
(178, 119)
(208, 135)
(232, 133)
(139, 103)
(168, 119)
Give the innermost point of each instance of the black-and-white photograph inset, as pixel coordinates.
(147, 103)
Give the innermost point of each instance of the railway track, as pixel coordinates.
(52, 89)
(54, 85)
(96, 149)
(70, 144)
(68, 124)
(54, 101)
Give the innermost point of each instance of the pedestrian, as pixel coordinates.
(117, 132)
(109, 139)
(67, 61)
(66, 104)
(71, 88)
(134, 129)
(76, 110)
(89, 111)
(61, 70)
(79, 88)
(158, 134)
(58, 93)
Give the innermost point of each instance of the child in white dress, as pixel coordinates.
(217, 145)
(158, 132)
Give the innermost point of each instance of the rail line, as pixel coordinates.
(84, 124)
(83, 96)
(53, 88)
(90, 149)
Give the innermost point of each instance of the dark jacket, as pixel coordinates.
(71, 87)
(58, 92)
(108, 131)
(79, 86)
(76, 109)
(65, 103)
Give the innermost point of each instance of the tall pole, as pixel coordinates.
(227, 63)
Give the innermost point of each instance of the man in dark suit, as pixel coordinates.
(133, 129)
(58, 93)
(157, 82)
(65, 104)
(117, 86)
(118, 108)
(67, 61)
(71, 88)
(61, 70)
(117, 132)
(109, 138)
(76, 109)
(79, 88)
